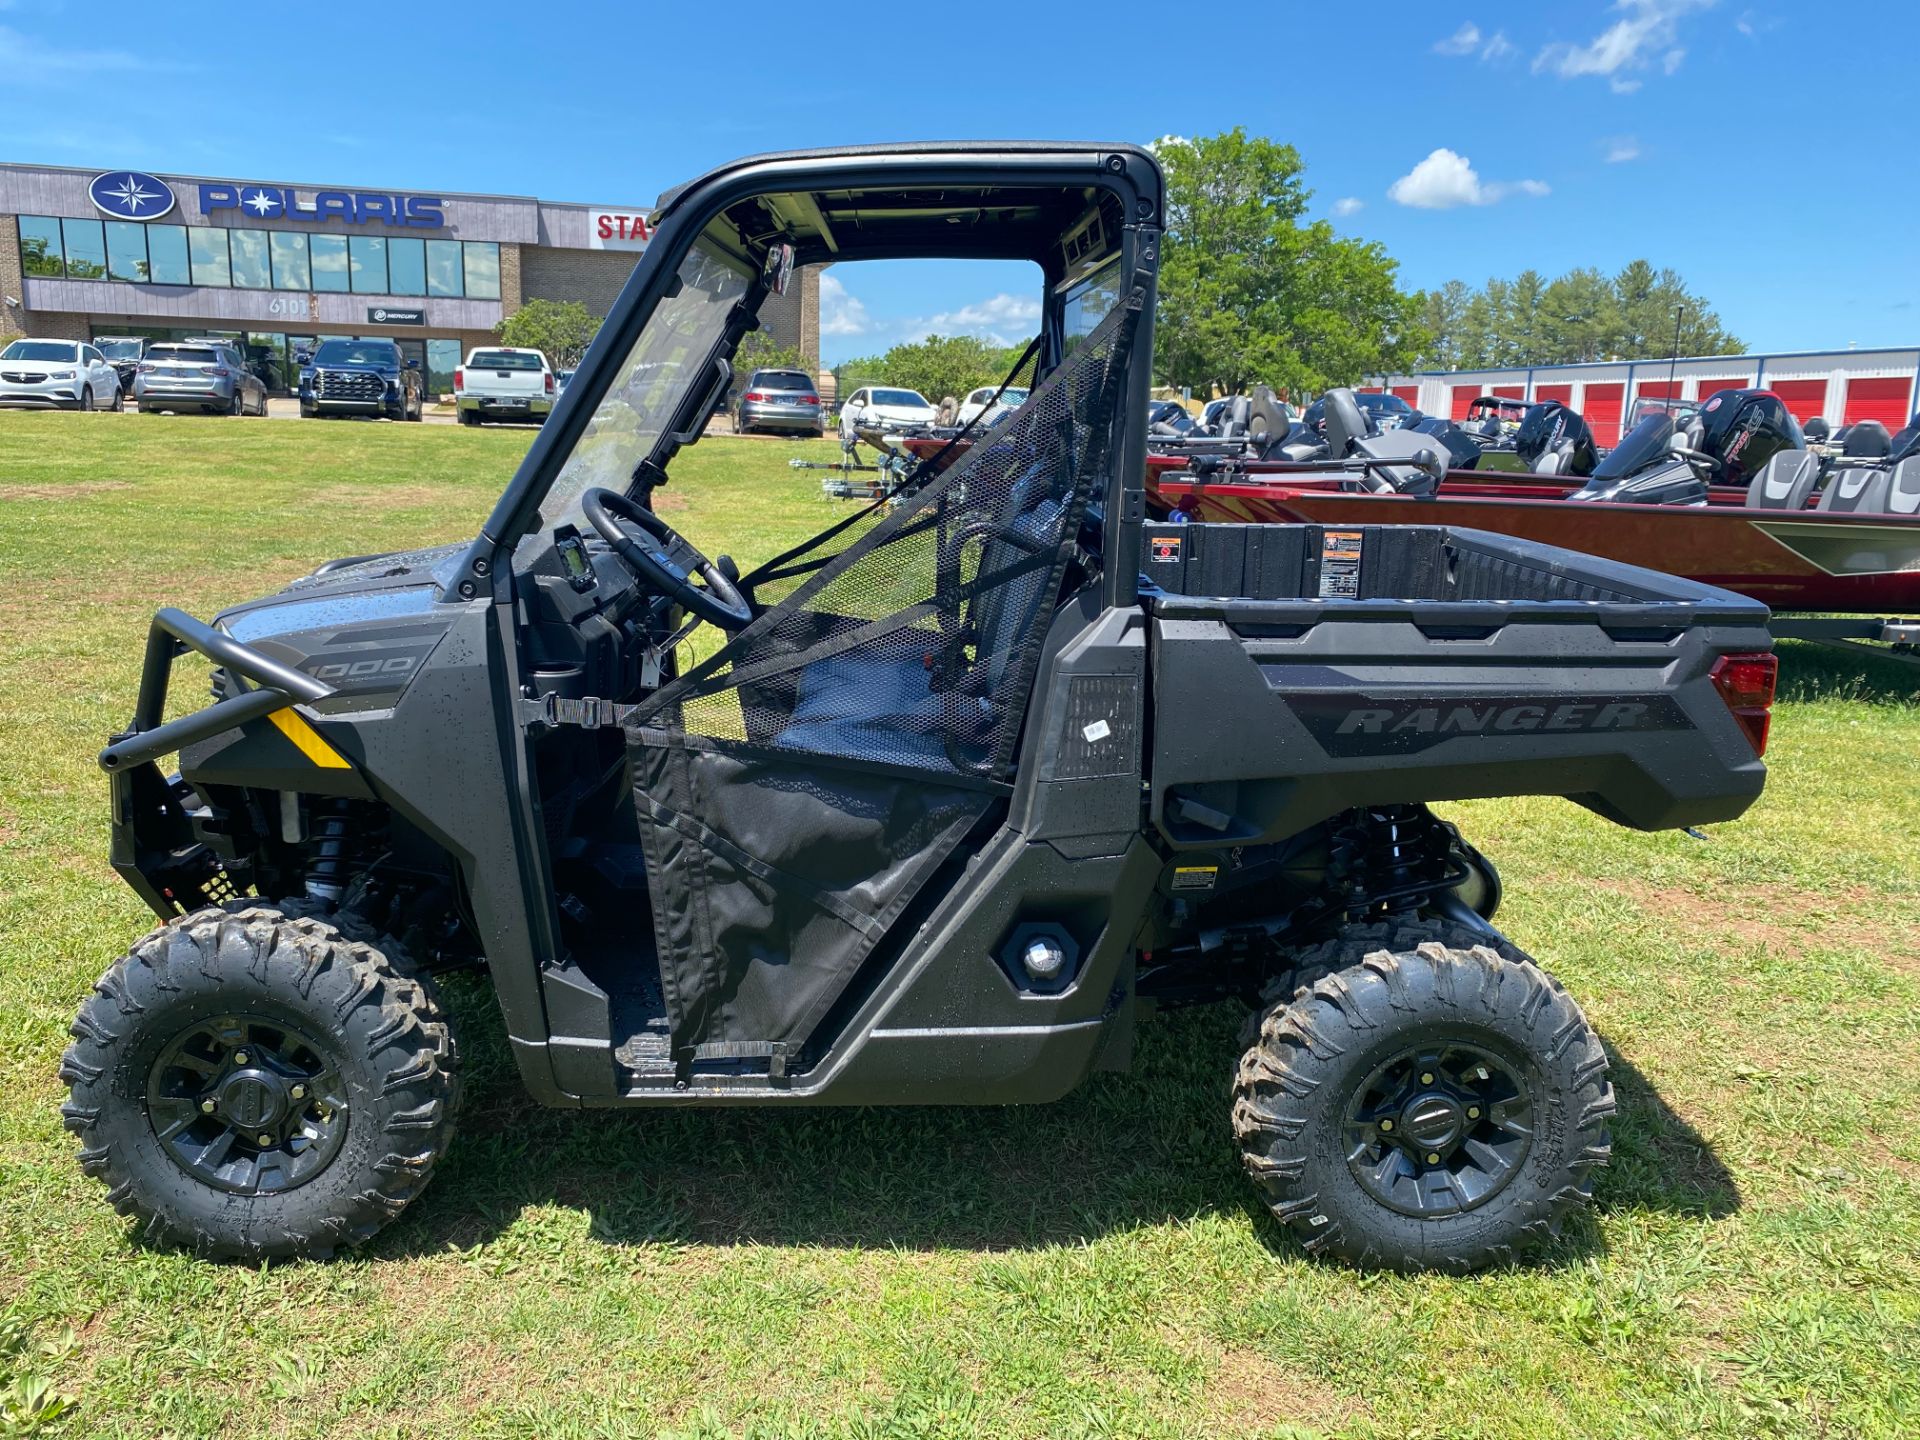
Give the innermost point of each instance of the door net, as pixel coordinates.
(909, 636)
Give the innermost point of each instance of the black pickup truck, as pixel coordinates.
(972, 780)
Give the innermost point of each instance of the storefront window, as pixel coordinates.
(406, 267)
(368, 263)
(250, 259)
(86, 249)
(40, 252)
(329, 263)
(443, 358)
(208, 249)
(290, 270)
(443, 268)
(167, 254)
(483, 270)
(126, 250)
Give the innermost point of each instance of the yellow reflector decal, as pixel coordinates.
(307, 739)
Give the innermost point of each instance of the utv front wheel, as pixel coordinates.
(1430, 1108)
(254, 1081)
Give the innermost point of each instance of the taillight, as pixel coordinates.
(809, 399)
(549, 382)
(754, 395)
(459, 379)
(222, 371)
(1745, 683)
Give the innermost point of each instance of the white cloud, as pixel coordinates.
(1469, 39)
(1622, 148)
(1646, 31)
(25, 58)
(840, 313)
(1445, 179)
(1348, 205)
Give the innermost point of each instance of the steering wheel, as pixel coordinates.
(664, 562)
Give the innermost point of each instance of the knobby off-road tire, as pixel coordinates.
(1433, 1107)
(353, 1075)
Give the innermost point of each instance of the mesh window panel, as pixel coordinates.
(913, 642)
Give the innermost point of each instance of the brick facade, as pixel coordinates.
(12, 315)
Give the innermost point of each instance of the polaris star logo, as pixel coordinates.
(1376, 725)
(130, 195)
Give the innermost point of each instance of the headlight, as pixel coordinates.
(60, 374)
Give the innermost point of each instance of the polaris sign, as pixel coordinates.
(130, 195)
(356, 207)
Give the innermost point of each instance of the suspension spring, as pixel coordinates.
(1391, 859)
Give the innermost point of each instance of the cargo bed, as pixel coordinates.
(1387, 664)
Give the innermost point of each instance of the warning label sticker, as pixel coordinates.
(1195, 877)
(1340, 552)
(1163, 549)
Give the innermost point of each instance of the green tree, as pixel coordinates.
(1579, 319)
(1249, 293)
(560, 329)
(938, 366)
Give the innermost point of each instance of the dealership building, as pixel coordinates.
(278, 266)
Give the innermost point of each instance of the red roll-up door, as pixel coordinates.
(1658, 389)
(1888, 399)
(1804, 399)
(1603, 404)
(1369, 390)
(1463, 396)
(1408, 393)
(1509, 392)
(1708, 387)
(1562, 393)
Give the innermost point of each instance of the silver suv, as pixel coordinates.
(780, 400)
(197, 375)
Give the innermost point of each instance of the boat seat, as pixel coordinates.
(1346, 423)
(1866, 440)
(1903, 488)
(1858, 489)
(1785, 482)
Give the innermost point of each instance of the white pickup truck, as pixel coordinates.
(501, 383)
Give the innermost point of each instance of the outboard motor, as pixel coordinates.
(1554, 440)
(1727, 441)
(1906, 440)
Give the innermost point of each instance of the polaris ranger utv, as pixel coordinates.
(970, 780)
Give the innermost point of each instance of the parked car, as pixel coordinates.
(1389, 412)
(780, 400)
(124, 353)
(361, 377)
(561, 379)
(205, 375)
(978, 400)
(502, 383)
(57, 375)
(889, 409)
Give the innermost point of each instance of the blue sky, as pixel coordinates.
(1761, 149)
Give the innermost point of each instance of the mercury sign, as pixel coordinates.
(618, 230)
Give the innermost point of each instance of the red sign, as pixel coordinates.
(618, 230)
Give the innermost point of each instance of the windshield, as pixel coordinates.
(119, 349)
(504, 360)
(651, 381)
(912, 399)
(40, 350)
(1013, 396)
(1647, 442)
(355, 352)
(1392, 403)
(181, 352)
(779, 380)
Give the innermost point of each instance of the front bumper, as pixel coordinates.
(505, 407)
(40, 395)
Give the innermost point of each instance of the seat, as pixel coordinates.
(1858, 489)
(1866, 440)
(1903, 488)
(1553, 461)
(1427, 457)
(1346, 423)
(1235, 416)
(1785, 482)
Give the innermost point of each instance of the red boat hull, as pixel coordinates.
(1855, 564)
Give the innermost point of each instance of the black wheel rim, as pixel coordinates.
(1441, 1128)
(248, 1105)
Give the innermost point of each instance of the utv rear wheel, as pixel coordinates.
(255, 1081)
(1436, 1107)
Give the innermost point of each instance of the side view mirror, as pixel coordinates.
(413, 364)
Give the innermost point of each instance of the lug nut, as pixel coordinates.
(1427, 1078)
(239, 1057)
(1386, 1125)
(299, 1092)
(1433, 1158)
(206, 1107)
(1473, 1112)
(266, 1139)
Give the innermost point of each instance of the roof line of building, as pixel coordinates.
(1661, 360)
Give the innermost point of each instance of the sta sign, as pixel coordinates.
(618, 230)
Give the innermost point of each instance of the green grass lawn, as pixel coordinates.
(1097, 1267)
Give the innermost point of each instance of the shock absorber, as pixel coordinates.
(330, 852)
(1390, 859)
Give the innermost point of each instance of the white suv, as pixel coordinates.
(58, 375)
